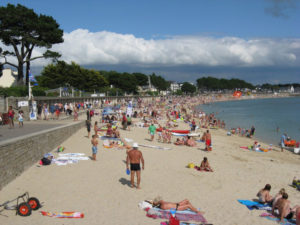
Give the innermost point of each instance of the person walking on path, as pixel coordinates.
(152, 130)
(11, 115)
(134, 158)
(88, 115)
(20, 118)
(88, 127)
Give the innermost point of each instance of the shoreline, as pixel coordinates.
(270, 138)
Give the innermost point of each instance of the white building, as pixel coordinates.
(175, 86)
(8, 78)
(292, 89)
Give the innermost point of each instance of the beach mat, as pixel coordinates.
(156, 147)
(269, 216)
(75, 215)
(186, 223)
(246, 148)
(185, 215)
(109, 138)
(255, 205)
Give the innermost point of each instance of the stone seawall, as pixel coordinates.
(18, 154)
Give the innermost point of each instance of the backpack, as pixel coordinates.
(46, 161)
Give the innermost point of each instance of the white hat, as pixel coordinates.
(135, 145)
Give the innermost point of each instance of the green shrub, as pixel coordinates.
(39, 91)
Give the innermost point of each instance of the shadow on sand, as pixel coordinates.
(124, 181)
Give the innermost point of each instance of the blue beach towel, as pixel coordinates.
(109, 138)
(255, 205)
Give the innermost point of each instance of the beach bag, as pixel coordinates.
(46, 161)
(174, 221)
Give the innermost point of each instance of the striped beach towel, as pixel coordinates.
(186, 215)
(269, 216)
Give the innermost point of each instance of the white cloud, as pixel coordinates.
(88, 48)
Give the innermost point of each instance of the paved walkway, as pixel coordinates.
(33, 126)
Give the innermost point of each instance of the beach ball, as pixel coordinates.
(191, 165)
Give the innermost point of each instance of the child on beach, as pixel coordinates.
(20, 118)
(204, 166)
(95, 146)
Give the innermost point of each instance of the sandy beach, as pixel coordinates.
(101, 189)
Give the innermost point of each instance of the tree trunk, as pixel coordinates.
(27, 72)
(20, 81)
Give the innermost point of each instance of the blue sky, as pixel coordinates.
(256, 40)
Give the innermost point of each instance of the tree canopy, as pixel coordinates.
(63, 74)
(23, 30)
(159, 82)
(211, 83)
(188, 88)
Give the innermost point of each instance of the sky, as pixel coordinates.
(182, 40)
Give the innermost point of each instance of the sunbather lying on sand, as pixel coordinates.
(179, 142)
(191, 142)
(264, 194)
(180, 206)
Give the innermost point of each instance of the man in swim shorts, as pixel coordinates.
(135, 157)
(208, 141)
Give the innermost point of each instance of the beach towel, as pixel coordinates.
(198, 169)
(109, 138)
(185, 215)
(186, 223)
(255, 205)
(63, 214)
(106, 144)
(269, 216)
(247, 148)
(73, 158)
(63, 162)
(71, 154)
(178, 134)
(157, 147)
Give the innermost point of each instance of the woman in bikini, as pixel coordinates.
(264, 194)
(180, 206)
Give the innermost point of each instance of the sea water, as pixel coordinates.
(271, 117)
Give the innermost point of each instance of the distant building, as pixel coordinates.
(175, 86)
(8, 78)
